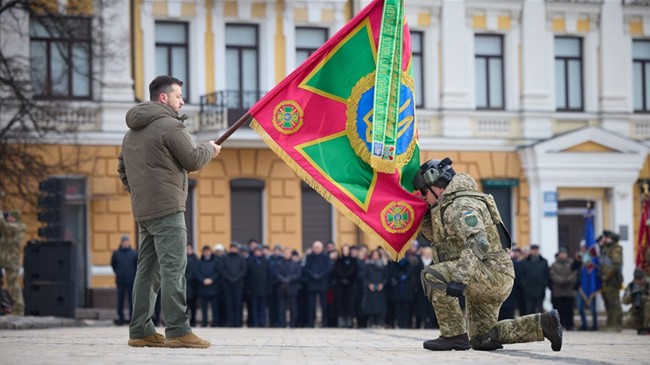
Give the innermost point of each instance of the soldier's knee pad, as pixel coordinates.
(486, 341)
(431, 280)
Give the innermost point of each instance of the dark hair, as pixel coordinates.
(162, 85)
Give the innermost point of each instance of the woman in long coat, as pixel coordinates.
(374, 279)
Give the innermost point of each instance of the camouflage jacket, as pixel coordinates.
(628, 294)
(11, 235)
(611, 264)
(455, 223)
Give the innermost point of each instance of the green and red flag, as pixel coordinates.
(344, 121)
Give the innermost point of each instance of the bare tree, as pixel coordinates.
(45, 51)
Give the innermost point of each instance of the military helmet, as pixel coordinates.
(611, 235)
(434, 173)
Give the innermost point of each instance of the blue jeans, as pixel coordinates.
(580, 303)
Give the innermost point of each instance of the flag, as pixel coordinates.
(589, 280)
(320, 121)
(644, 234)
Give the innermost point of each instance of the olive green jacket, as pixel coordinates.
(157, 153)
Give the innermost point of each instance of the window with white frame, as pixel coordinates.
(242, 65)
(308, 40)
(60, 57)
(568, 74)
(172, 52)
(641, 75)
(488, 67)
(417, 66)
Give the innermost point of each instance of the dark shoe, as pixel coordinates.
(643, 331)
(118, 322)
(460, 343)
(189, 340)
(551, 328)
(583, 328)
(155, 340)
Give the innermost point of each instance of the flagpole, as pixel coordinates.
(245, 118)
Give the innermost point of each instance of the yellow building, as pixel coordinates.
(543, 102)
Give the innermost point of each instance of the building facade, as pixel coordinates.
(545, 103)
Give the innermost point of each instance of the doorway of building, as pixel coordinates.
(571, 224)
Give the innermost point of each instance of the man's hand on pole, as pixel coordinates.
(217, 148)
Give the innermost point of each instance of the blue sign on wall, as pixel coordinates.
(550, 204)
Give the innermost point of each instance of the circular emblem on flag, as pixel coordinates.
(397, 217)
(287, 117)
(360, 113)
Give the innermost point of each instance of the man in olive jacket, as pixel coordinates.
(157, 153)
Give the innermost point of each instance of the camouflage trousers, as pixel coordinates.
(612, 306)
(15, 291)
(484, 295)
(639, 317)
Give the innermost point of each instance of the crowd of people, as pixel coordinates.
(354, 287)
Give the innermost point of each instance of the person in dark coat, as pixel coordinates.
(507, 310)
(207, 275)
(287, 274)
(232, 269)
(401, 291)
(277, 256)
(424, 314)
(374, 279)
(358, 288)
(124, 262)
(258, 285)
(346, 270)
(535, 280)
(518, 284)
(191, 283)
(316, 271)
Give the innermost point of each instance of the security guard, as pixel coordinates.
(470, 247)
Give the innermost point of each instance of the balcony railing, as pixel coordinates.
(636, 2)
(221, 109)
(57, 116)
(576, 1)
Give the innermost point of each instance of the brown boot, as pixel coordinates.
(460, 342)
(189, 340)
(155, 340)
(552, 328)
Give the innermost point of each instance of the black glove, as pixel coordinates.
(455, 289)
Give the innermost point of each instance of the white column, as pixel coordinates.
(623, 217)
(614, 93)
(548, 228)
(537, 70)
(455, 76)
(536, 93)
(116, 79)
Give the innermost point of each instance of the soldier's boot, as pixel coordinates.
(459, 342)
(643, 331)
(486, 341)
(551, 328)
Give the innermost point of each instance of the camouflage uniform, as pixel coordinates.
(454, 227)
(11, 234)
(639, 314)
(611, 263)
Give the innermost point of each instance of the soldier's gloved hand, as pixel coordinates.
(455, 289)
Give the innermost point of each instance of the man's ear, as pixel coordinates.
(162, 98)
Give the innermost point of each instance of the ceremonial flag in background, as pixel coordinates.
(321, 121)
(589, 280)
(644, 231)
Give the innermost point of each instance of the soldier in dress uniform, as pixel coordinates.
(471, 257)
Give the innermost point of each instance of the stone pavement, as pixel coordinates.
(98, 343)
